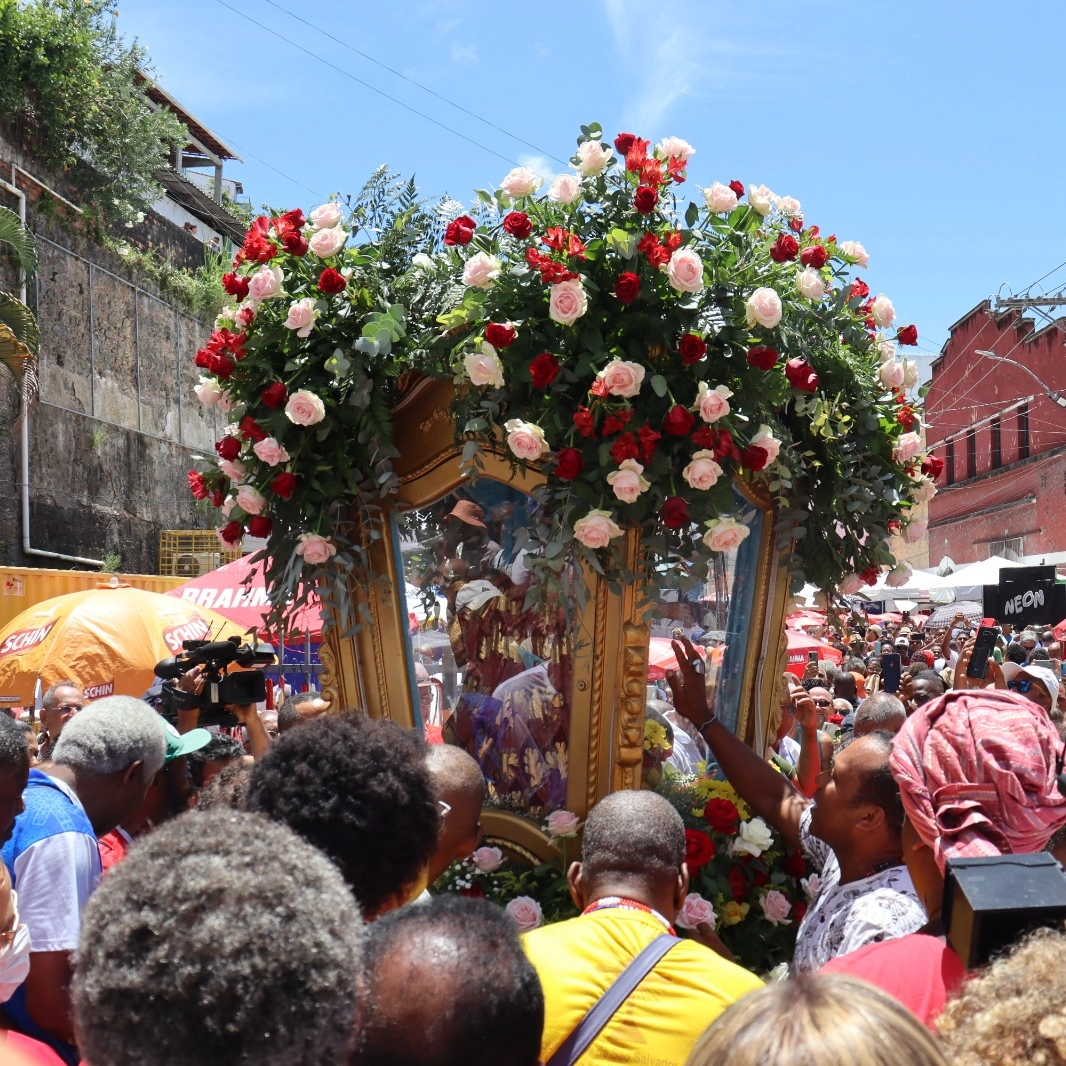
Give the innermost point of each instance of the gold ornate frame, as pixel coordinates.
(371, 671)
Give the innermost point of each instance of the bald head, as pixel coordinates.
(881, 712)
(459, 784)
(448, 984)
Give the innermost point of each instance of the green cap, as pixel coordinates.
(179, 744)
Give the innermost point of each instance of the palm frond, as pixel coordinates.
(20, 239)
(19, 319)
(19, 362)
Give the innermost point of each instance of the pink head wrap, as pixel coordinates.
(976, 771)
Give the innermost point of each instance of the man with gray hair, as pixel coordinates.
(880, 713)
(102, 766)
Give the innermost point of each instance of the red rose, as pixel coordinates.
(624, 448)
(250, 429)
(784, 248)
(617, 421)
(584, 422)
(645, 199)
(932, 466)
(678, 421)
(289, 221)
(816, 256)
(623, 142)
(737, 187)
(203, 359)
(627, 287)
(738, 884)
(228, 448)
(698, 849)
(231, 532)
(648, 439)
(801, 375)
(517, 224)
(275, 395)
(794, 864)
(907, 335)
(235, 285)
(859, 290)
(762, 358)
(260, 526)
(217, 497)
(197, 486)
(221, 365)
(795, 224)
(675, 513)
(294, 243)
(500, 334)
(760, 878)
(543, 370)
(331, 281)
(906, 417)
(719, 441)
(460, 230)
(870, 575)
(284, 485)
(473, 892)
(754, 458)
(722, 816)
(568, 463)
(692, 348)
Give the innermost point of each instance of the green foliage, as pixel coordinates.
(19, 239)
(111, 564)
(19, 336)
(70, 95)
(197, 291)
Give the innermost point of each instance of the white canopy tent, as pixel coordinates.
(930, 587)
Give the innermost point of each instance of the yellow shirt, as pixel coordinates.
(658, 1024)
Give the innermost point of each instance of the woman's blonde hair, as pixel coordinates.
(814, 1020)
(1014, 1011)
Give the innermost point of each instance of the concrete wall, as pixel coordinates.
(117, 424)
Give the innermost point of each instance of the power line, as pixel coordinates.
(417, 84)
(365, 84)
(270, 166)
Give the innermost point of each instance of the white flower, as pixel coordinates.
(208, 392)
(520, 182)
(891, 375)
(811, 885)
(899, 576)
(326, 216)
(855, 253)
(886, 350)
(810, 284)
(789, 206)
(907, 447)
(761, 199)
(484, 367)
(720, 198)
(674, 148)
(754, 838)
(763, 308)
(481, 271)
(592, 157)
(910, 373)
(565, 189)
(915, 530)
(882, 311)
(924, 489)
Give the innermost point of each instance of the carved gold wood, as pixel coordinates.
(371, 671)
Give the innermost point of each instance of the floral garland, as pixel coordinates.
(643, 355)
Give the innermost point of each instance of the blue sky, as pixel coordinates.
(931, 131)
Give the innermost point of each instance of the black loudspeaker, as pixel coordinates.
(990, 902)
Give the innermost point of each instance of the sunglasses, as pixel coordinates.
(1023, 685)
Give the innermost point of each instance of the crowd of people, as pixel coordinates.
(179, 895)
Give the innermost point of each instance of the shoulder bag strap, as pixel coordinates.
(575, 1045)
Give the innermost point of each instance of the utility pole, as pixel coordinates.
(1026, 303)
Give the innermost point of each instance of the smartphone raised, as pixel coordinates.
(982, 649)
(891, 666)
(812, 656)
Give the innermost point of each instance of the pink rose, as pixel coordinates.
(525, 439)
(899, 576)
(302, 316)
(854, 252)
(695, 911)
(227, 506)
(766, 440)
(563, 824)
(882, 311)
(627, 481)
(891, 375)
(233, 469)
(789, 206)
(597, 529)
(685, 271)
(520, 182)
(226, 403)
(763, 308)
(915, 530)
(250, 500)
(674, 148)
(622, 378)
(907, 447)
(924, 489)
(886, 350)
(725, 534)
(720, 198)
(713, 403)
(567, 302)
(269, 451)
(565, 189)
(525, 912)
(481, 271)
(208, 392)
(810, 284)
(484, 367)
(315, 549)
(592, 157)
(265, 284)
(327, 242)
(327, 216)
(487, 859)
(304, 408)
(703, 472)
(775, 906)
(850, 585)
(761, 199)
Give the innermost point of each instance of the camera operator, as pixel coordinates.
(191, 686)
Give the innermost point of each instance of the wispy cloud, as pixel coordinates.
(464, 53)
(539, 165)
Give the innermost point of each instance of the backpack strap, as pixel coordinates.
(586, 1030)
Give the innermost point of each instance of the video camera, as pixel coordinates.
(247, 685)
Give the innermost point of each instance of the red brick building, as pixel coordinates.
(1002, 437)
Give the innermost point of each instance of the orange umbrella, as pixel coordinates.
(107, 640)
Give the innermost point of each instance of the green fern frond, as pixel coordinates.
(19, 319)
(20, 239)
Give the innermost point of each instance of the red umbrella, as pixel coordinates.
(229, 592)
(800, 645)
(661, 658)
